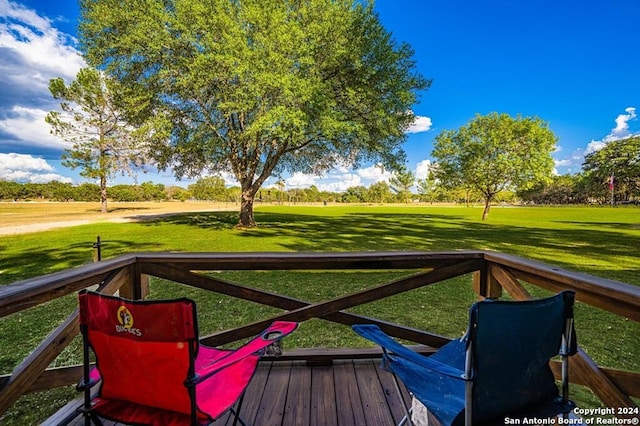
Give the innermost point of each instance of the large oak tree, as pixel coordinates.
(495, 152)
(256, 88)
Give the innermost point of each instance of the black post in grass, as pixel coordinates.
(97, 250)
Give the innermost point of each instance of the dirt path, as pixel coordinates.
(37, 227)
(53, 218)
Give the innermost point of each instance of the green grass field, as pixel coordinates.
(598, 241)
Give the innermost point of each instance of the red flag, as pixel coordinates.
(611, 183)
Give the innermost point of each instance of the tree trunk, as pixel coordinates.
(103, 194)
(246, 209)
(487, 206)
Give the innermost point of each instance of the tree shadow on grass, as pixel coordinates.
(48, 259)
(126, 209)
(610, 225)
(587, 247)
(114, 210)
(204, 220)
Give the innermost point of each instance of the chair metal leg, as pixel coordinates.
(468, 386)
(564, 353)
(89, 419)
(96, 420)
(236, 413)
(407, 419)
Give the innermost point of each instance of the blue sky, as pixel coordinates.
(574, 64)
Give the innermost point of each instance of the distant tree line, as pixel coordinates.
(609, 176)
(57, 191)
(562, 190)
(206, 189)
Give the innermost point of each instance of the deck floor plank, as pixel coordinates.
(390, 391)
(348, 402)
(298, 406)
(323, 397)
(271, 409)
(254, 394)
(376, 410)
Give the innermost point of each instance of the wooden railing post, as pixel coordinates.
(138, 285)
(506, 280)
(484, 285)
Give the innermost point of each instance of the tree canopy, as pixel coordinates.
(401, 183)
(618, 160)
(495, 152)
(103, 142)
(428, 187)
(208, 188)
(257, 88)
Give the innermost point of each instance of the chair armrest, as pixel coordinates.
(376, 335)
(273, 333)
(89, 382)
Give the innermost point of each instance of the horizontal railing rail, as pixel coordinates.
(493, 274)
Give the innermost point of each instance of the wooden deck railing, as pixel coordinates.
(493, 273)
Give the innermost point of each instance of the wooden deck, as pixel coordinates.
(349, 392)
(308, 389)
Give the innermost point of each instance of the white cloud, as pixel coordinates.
(563, 163)
(32, 51)
(28, 125)
(333, 181)
(374, 174)
(336, 180)
(39, 50)
(594, 146)
(621, 130)
(23, 162)
(340, 179)
(420, 124)
(49, 177)
(422, 169)
(26, 168)
(338, 185)
(300, 180)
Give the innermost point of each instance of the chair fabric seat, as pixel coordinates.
(447, 404)
(124, 412)
(233, 379)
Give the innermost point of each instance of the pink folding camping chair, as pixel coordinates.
(153, 370)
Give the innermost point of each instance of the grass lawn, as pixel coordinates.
(598, 241)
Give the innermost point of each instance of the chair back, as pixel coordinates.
(511, 344)
(144, 349)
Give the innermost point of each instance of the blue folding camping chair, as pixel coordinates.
(498, 369)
